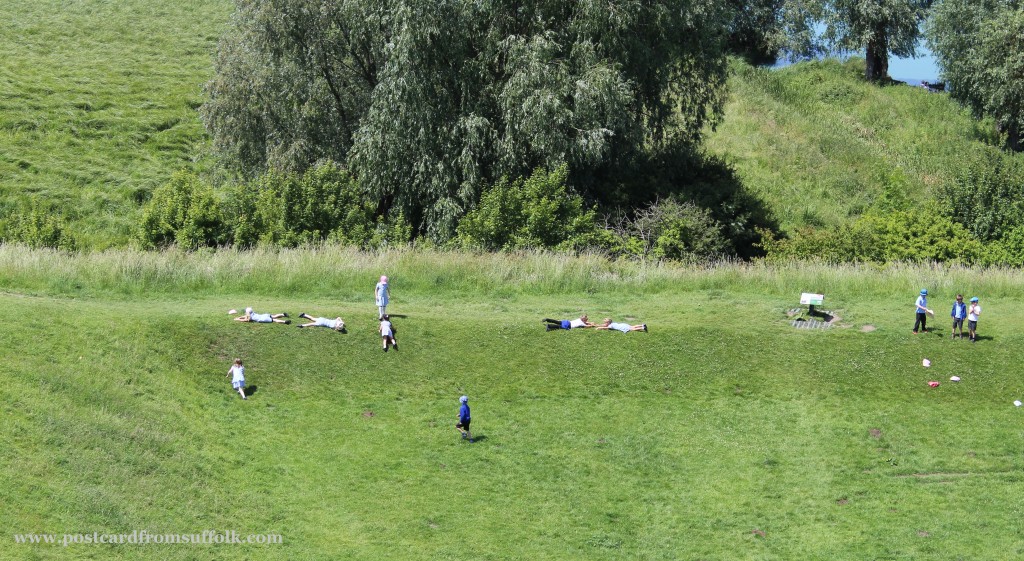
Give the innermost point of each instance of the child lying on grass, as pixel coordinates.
(623, 327)
(336, 324)
(263, 318)
(581, 322)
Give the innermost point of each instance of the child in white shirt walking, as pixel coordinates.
(237, 375)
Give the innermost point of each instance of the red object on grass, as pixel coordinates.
(933, 384)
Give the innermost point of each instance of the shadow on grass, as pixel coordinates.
(250, 390)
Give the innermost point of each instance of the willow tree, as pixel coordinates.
(879, 28)
(293, 80)
(428, 101)
(979, 46)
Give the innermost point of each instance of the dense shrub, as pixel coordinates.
(37, 225)
(1008, 250)
(987, 195)
(324, 203)
(185, 212)
(909, 235)
(535, 212)
(669, 229)
(705, 181)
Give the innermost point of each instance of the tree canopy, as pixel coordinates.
(427, 101)
(979, 45)
(878, 27)
(756, 31)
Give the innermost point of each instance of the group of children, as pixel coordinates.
(959, 313)
(584, 322)
(381, 295)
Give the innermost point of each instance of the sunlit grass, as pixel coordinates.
(723, 433)
(98, 104)
(820, 146)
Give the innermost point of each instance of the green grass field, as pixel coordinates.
(722, 434)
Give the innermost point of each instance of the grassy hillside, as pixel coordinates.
(98, 103)
(680, 443)
(820, 145)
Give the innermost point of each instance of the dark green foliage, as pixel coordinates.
(532, 213)
(703, 180)
(979, 47)
(324, 203)
(293, 79)
(429, 102)
(281, 209)
(669, 229)
(38, 225)
(987, 196)
(185, 212)
(755, 31)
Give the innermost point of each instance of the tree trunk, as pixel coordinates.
(877, 68)
(1013, 139)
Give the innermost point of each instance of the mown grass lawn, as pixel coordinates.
(723, 433)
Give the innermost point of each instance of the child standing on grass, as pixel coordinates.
(958, 314)
(237, 375)
(921, 307)
(387, 333)
(464, 419)
(382, 294)
(972, 319)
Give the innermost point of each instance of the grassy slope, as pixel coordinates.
(98, 106)
(98, 102)
(678, 443)
(820, 145)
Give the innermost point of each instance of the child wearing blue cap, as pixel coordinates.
(921, 307)
(959, 314)
(464, 419)
(972, 318)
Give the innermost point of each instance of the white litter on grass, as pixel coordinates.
(926, 363)
(232, 312)
(954, 378)
(1017, 403)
